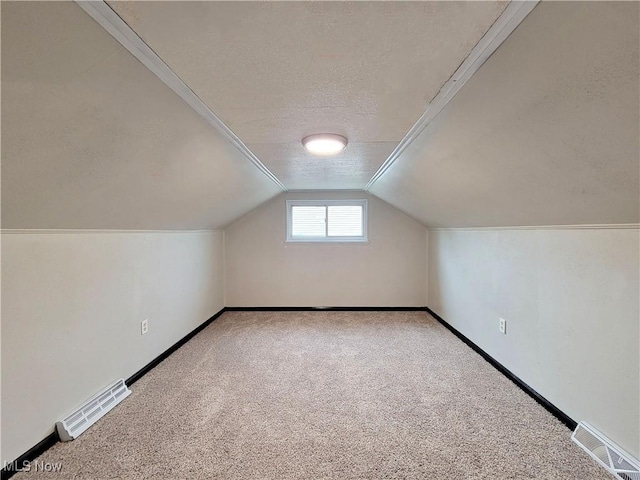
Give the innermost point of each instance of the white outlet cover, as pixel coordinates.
(503, 326)
(144, 327)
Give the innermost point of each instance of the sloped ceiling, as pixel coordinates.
(91, 139)
(545, 133)
(275, 72)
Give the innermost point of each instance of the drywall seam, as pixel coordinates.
(18, 231)
(102, 13)
(311, 190)
(426, 277)
(615, 226)
(506, 23)
(224, 268)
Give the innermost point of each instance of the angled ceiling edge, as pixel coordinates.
(102, 13)
(507, 22)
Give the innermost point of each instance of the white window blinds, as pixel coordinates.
(308, 221)
(326, 221)
(344, 221)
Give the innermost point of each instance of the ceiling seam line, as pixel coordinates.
(108, 19)
(505, 24)
(596, 226)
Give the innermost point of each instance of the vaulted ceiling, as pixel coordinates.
(276, 72)
(91, 139)
(545, 132)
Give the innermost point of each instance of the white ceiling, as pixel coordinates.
(275, 72)
(545, 133)
(92, 139)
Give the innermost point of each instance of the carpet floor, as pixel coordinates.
(324, 395)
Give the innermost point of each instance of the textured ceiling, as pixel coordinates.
(92, 139)
(277, 71)
(545, 133)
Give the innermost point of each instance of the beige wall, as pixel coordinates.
(570, 298)
(72, 305)
(263, 270)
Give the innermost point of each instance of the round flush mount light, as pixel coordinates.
(324, 143)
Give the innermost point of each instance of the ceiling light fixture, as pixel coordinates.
(324, 144)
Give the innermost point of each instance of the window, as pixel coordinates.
(326, 220)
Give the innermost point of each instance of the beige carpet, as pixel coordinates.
(313, 395)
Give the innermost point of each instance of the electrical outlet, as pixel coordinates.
(144, 326)
(503, 326)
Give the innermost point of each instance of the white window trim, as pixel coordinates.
(327, 203)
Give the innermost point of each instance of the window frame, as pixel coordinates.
(350, 202)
